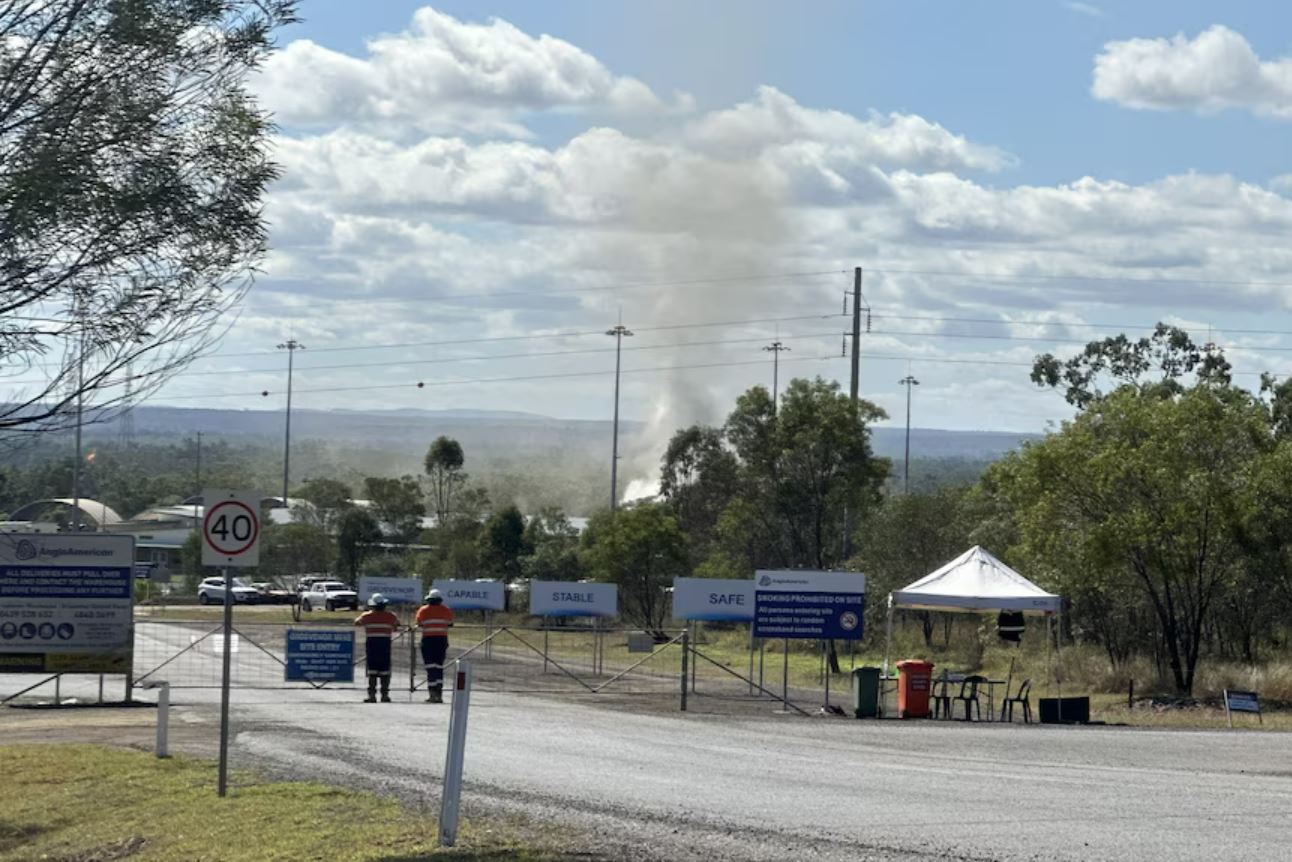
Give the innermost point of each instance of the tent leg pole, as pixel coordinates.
(888, 639)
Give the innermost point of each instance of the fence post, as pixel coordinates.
(412, 661)
(686, 655)
(451, 796)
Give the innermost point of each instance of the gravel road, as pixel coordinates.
(678, 786)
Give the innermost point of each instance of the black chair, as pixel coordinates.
(1007, 708)
(969, 694)
(942, 697)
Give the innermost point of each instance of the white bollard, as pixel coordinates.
(163, 717)
(452, 792)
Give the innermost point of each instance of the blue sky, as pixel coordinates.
(473, 192)
(1012, 72)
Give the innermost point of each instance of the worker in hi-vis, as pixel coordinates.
(434, 619)
(379, 626)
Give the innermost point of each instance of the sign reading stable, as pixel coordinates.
(804, 604)
(561, 599)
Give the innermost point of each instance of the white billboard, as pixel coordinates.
(398, 591)
(713, 599)
(564, 599)
(66, 602)
(472, 595)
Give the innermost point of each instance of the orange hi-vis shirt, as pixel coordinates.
(378, 624)
(434, 620)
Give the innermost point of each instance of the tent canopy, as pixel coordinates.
(976, 581)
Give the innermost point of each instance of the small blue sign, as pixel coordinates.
(323, 655)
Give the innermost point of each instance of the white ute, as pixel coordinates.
(329, 595)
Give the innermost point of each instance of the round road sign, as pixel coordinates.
(231, 528)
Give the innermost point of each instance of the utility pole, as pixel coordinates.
(79, 313)
(620, 332)
(291, 346)
(775, 349)
(856, 336)
(197, 478)
(909, 382)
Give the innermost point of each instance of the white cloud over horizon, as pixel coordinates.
(411, 175)
(1214, 71)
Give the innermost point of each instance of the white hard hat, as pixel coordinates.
(377, 601)
(434, 594)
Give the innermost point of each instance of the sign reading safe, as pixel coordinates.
(806, 604)
(713, 599)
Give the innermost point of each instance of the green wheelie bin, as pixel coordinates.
(865, 692)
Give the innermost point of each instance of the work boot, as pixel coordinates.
(372, 698)
(437, 694)
(385, 698)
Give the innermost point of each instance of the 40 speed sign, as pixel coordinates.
(231, 528)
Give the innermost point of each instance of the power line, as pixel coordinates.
(421, 384)
(638, 285)
(1009, 278)
(1073, 325)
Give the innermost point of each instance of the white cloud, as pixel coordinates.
(774, 120)
(1084, 9)
(1216, 70)
(1282, 184)
(443, 74)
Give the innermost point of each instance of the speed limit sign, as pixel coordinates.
(231, 528)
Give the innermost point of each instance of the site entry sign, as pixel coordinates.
(808, 604)
(319, 655)
(66, 602)
(231, 528)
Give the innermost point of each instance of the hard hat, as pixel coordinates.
(377, 601)
(434, 594)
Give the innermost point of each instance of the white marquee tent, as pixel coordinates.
(973, 582)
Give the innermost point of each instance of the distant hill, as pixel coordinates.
(490, 432)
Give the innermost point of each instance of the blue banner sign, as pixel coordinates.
(807, 604)
(320, 655)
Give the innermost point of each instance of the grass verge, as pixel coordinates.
(78, 803)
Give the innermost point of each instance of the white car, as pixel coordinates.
(211, 591)
(329, 595)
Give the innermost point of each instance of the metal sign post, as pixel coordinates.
(451, 797)
(230, 539)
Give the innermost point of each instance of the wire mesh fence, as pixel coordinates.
(556, 659)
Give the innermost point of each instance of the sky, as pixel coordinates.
(473, 193)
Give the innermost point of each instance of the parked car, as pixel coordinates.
(211, 591)
(329, 595)
(272, 594)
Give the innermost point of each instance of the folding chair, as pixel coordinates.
(969, 694)
(1007, 708)
(941, 697)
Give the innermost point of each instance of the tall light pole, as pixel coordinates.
(909, 382)
(291, 345)
(619, 332)
(775, 349)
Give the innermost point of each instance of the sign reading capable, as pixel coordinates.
(562, 599)
(66, 602)
(817, 605)
(472, 595)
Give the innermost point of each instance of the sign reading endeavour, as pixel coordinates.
(562, 599)
(818, 605)
(713, 599)
(66, 602)
(231, 528)
(400, 591)
(319, 655)
(472, 595)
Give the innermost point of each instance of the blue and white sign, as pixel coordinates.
(472, 595)
(398, 591)
(713, 599)
(66, 602)
(817, 605)
(562, 599)
(320, 655)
